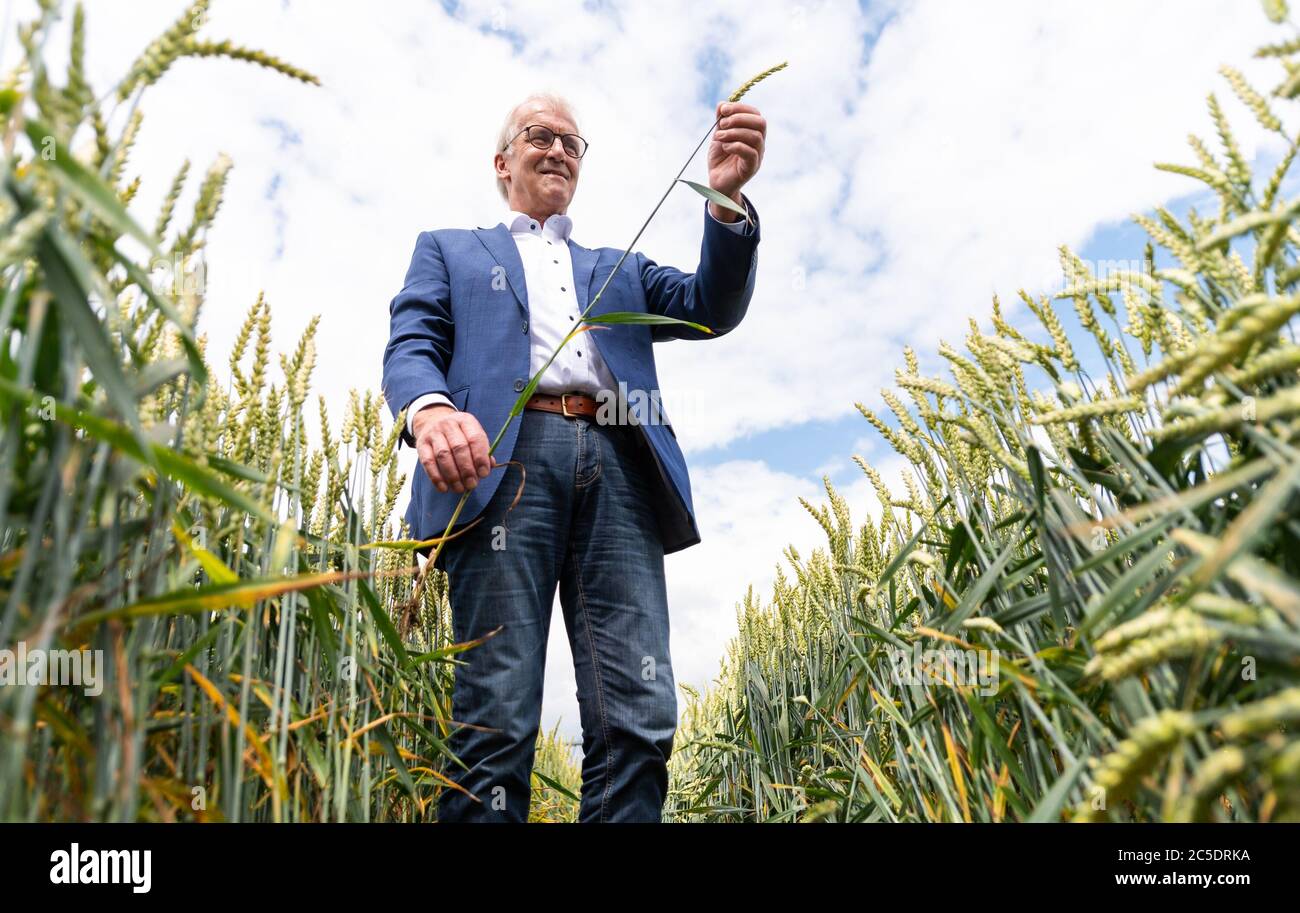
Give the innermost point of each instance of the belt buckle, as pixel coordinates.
(564, 406)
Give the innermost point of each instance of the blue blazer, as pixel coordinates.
(456, 329)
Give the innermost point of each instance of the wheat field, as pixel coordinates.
(1079, 603)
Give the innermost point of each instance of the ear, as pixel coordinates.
(499, 165)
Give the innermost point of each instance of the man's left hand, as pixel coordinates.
(735, 153)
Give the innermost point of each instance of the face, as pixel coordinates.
(539, 182)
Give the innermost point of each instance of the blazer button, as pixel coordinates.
(519, 385)
(525, 326)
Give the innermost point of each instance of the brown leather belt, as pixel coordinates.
(571, 405)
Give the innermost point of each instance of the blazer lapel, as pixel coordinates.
(584, 267)
(502, 247)
(586, 284)
(584, 263)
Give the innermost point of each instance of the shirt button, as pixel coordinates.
(519, 385)
(532, 224)
(563, 289)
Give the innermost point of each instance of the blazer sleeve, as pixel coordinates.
(717, 294)
(421, 331)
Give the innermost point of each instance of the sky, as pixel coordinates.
(921, 157)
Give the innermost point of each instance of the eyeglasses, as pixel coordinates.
(544, 137)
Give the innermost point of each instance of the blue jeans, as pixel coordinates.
(586, 521)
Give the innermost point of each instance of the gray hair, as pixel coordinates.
(512, 125)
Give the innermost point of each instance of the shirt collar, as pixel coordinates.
(557, 226)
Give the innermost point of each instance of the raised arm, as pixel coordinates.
(420, 331)
(717, 294)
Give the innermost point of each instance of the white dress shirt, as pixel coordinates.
(552, 312)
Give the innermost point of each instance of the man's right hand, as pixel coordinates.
(452, 446)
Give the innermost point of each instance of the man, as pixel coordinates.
(480, 313)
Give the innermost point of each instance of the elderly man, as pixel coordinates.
(603, 502)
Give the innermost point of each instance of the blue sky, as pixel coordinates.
(922, 157)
